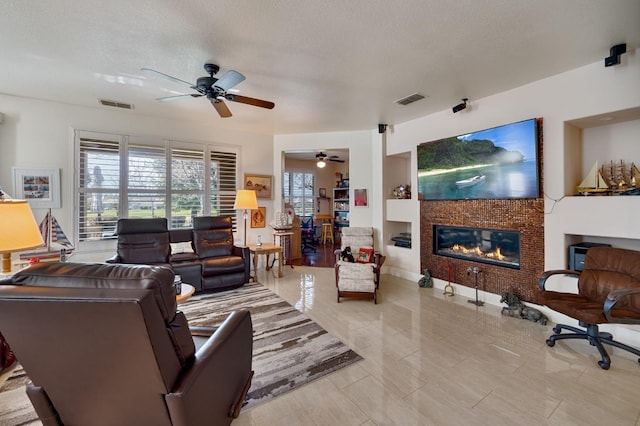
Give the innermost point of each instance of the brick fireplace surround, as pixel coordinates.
(523, 215)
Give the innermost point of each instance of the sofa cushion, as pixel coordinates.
(144, 248)
(213, 242)
(222, 265)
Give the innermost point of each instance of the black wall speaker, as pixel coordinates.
(382, 128)
(614, 54)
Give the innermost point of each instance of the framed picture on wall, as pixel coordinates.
(262, 184)
(259, 217)
(322, 192)
(360, 197)
(40, 187)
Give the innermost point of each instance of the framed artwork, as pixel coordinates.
(322, 192)
(259, 217)
(41, 187)
(360, 196)
(262, 184)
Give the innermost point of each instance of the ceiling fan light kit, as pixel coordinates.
(214, 89)
(322, 158)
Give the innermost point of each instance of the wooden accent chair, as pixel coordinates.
(358, 279)
(608, 292)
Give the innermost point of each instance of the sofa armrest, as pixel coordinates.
(213, 388)
(546, 274)
(613, 298)
(242, 252)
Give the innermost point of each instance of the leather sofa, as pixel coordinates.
(105, 344)
(204, 256)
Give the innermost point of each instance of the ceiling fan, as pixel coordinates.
(322, 159)
(215, 89)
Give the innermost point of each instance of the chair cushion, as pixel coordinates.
(363, 271)
(363, 286)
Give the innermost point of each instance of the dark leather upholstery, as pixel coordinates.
(143, 241)
(223, 264)
(104, 344)
(215, 263)
(608, 292)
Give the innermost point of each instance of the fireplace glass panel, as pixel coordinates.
(493, 246)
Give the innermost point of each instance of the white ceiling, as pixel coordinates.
(329, 65)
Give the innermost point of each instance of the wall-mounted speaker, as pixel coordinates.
(382, 128)
(614, 54)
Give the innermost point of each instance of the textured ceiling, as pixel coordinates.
(330, 65)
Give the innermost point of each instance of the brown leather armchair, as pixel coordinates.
(104, 344)
(224, 265)
(608, 292)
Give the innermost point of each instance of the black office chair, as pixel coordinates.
(308, 233)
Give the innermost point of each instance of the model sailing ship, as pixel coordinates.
(594, 182)
(56, 247)
(616, 179)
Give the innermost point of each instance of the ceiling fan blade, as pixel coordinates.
(166, 76)
(230, 79)
(221, 107)
(177, 97)
(249, 101)
(336, 160)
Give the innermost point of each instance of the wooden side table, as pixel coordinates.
(265, 249)
(186, 292)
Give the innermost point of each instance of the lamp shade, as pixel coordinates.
(246, 199)
(18, 228)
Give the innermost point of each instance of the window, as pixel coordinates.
(123, 176)
(298, 191)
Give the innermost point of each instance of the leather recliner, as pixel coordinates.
(148, 242)
(104, 344)
(223, 264)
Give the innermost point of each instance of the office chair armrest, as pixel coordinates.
(213, 388)
(546, 274)
(614, 297)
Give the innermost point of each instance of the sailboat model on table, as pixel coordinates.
(594, 182)
(56, 242)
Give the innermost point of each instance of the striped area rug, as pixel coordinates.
(289, 349)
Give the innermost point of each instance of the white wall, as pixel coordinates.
(583, 92)
(363, 170)
(39, 134)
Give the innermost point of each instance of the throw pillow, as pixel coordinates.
(365, 255)
(184, 247)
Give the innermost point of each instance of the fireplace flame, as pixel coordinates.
(477, 252)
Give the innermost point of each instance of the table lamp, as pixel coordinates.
(245, 199)
(18, 230)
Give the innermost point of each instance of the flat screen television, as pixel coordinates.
(496, 163)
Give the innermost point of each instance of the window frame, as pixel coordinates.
(223, 193)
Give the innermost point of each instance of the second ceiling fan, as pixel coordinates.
(322, 158)
(215, 89)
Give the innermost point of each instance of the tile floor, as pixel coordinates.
(431, 359)
(434, 359)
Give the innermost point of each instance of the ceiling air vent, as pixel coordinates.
(115, 104)
(410, 99)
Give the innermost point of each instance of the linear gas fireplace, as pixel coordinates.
(496, 247)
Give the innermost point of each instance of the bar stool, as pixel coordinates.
(327, 233)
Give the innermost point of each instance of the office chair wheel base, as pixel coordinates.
(550, 342)
(604, 365)
(557, 330)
